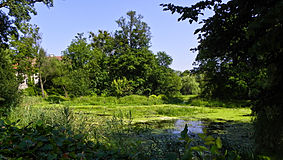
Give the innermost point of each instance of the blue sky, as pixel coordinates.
(60, 24)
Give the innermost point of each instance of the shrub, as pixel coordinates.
(39, 141)
(30, 91)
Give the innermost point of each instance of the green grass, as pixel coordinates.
(120, 122)
(144, 109)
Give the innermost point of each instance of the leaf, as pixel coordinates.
(218, 142)
(214, 150)
(199, 148)
(188, 155)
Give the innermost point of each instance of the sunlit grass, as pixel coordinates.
(143, 113)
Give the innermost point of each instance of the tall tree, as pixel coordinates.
(26, 49)
(131, 57)
(133, 33)
(163, 59)
(79, 52)
(241, 46)
(41, 61)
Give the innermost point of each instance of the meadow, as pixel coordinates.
(144, 109)
(140, 126)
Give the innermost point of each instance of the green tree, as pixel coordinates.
(131, 57)
(78, 83)
(91, 57)
(79, 52)
(50, 69)
(189, 85)
(9, 93)
(13, 13)
(133, 33)
(25, 51)
(16, 12)
(163, 59)
(240, 49)
(102, 41)
(41, 60)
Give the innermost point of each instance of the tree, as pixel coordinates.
(131, 56)
(91, 58)
(13, 13)
(41, 64)
(26, 49)
(163, 59)
(189, 85)
(9, 94)
(102, 41)
(133, 33)
(17, 12)
(79, 52)
(240, 46)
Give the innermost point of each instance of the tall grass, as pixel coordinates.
(117, 132)
(127, 100)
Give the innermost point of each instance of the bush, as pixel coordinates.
(39, 141)
(30, 91)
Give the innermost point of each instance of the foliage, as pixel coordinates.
(40, 141)
(190, 85)
(240, 52)
(30, 91)
(163, 59)
(26, 49)
(17, 13)
(211, 149)
(120, 64)
(79, 52)
(78, 84)
(121, 87)
(133, 34)
(9, 94)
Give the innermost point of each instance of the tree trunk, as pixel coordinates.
(66, 93)
(41, 85)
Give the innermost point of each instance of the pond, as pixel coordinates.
(193, 126)
(235, 135)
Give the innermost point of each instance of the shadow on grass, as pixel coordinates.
(195, 100)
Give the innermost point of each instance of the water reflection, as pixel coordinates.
(193, 126)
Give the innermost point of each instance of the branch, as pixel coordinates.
(4, 4)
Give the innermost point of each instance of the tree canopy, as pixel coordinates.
(15, 12)
(240, 50)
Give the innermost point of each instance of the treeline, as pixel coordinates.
(110, 64)
(117, 64)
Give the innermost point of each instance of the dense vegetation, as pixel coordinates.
(107, 83)
(109, 64)
(240, 54)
